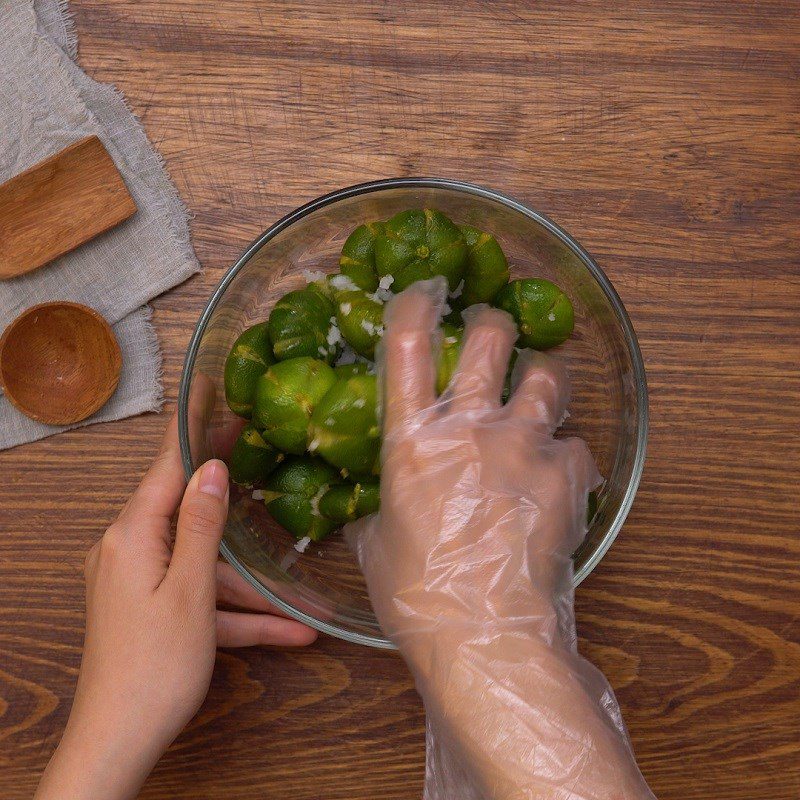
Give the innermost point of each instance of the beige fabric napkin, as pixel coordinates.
(47, 102)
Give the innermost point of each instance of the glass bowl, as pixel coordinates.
(323, 586)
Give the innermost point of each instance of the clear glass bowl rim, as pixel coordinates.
(621, 314)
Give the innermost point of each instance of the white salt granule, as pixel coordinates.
(317, 497)
(551, 316)
(360, 403)
(450, 339)
(346, 308)
(288, 560)
(343, 283)
(313, 445)
(384, 293)
(348, 355)
(312, 276)
(258, 494)
(301, 545)
(334, 334)
(322, 351)
(330, 422)
(368, 326)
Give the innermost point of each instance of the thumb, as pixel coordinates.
(201, 521)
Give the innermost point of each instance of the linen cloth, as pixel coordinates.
(46, 103)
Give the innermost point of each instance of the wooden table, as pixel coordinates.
(664, 136)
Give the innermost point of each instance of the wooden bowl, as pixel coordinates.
(59, 362)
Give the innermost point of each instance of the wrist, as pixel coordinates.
(453, 656)
(431, 635)
(93, 762)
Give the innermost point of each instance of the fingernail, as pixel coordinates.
(214, 479)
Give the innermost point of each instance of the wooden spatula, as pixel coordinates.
(59, 204)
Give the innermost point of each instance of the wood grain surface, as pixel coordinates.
(664, 135)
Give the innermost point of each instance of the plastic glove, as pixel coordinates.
(469, 571)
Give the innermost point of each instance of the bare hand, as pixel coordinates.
(152, 629)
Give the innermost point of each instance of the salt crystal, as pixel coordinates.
(459, 290)
(312, 276)
(551, 316)
(347, 356)
(258, 494)
(334, 335)
(288, 560)
(316, 498)
(360, 403)
(301, 545)
(330, 422)
(342, 283)
(384, 293)
(313, 445)
(346, 308)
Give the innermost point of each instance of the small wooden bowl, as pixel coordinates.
(59, 362)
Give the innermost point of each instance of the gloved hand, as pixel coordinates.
(469, 571)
